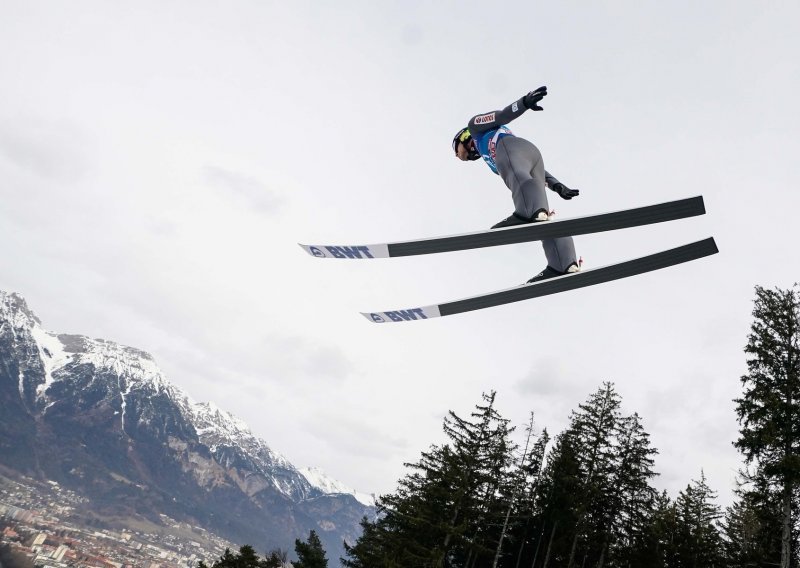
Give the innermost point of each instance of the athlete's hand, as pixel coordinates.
(564, 191)
(531, 99)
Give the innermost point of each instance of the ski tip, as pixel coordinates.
(396, 316)
(347, 251)
(314, 250)
(374, 317)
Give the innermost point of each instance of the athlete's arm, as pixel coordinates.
(559, 187)
(550, 180)
(496, 118)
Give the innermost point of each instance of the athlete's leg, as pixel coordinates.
(560, 253)
(520, 164)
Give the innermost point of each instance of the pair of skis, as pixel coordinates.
(659, 213)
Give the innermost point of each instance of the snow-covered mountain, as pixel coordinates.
(102, 418)
(317, 478)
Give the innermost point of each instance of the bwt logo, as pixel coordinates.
(400, 315)
(316, 252)
(349, 252)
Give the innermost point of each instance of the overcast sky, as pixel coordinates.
(160, 161)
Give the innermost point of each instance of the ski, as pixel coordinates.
(659, 213)
(656, 261)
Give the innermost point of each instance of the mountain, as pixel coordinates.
(317, 478)
(101, 419)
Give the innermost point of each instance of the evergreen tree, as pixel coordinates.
(769, 409)
(310, 553)
(276, 558)
(739, 528)
(245, 558)
(529, 504)
(485, 454)
(753, 525)
(522, 512)
(521, 485)
(448, 509)
(696, 540)
(632, 498)
(593, 428)
(373, 548)
(475, 502)
(657, 546)
(559, 503)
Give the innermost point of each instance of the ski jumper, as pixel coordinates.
(520, 164)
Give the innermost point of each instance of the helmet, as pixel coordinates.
(463, 136)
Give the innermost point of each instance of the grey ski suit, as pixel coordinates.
(519, 162)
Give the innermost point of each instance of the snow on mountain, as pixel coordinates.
(103, 419)
(231, 441)
(52, 353)
(15, 310)
(227, 437)
(56, 351)
(319, 479)
(219, 426)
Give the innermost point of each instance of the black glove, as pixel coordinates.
(564, 191)
(534, 97)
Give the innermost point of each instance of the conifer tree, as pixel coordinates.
(310, 553)
(740, 528)
(373, 548)
(485, 453)
(769, 409)
(448, 509)
(521, 483)
(419, 517)
(657, 546)
(631, 499)
(471, 503)
(752, 526)
(559, 503)
(697, 540)
(593, 428)
(245, 558)
(522, 511)
(276, 558)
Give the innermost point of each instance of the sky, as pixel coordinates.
(160, 161)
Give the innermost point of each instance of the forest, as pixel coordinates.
(585, 497)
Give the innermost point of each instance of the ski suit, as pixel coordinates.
(520, 164)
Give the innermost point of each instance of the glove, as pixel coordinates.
(534, 97)
(564, 191)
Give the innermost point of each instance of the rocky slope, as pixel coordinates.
(100, 418)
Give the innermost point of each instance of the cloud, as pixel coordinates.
(252, 191)
(356, 437)
(48, 149)
(551, 377)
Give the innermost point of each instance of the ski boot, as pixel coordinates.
(512, 220)
(550, 272)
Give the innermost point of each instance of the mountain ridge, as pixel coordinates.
(111, 414)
